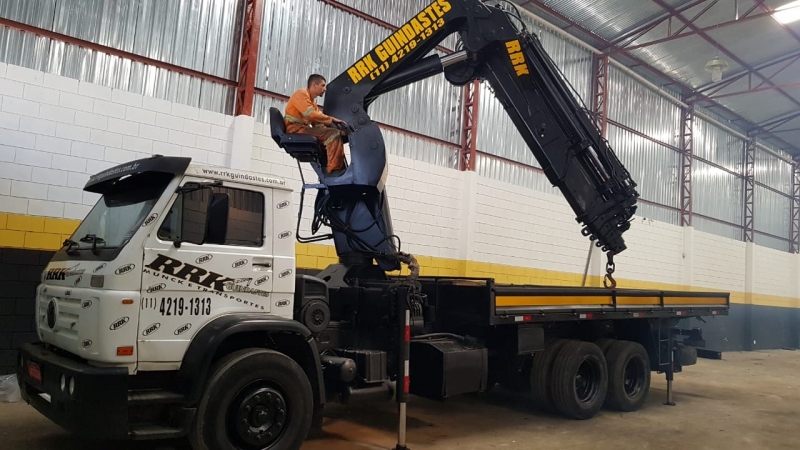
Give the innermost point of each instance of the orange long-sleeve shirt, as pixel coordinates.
(301, 112)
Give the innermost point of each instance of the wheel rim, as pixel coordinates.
(257, 416)
(587, 382)
(317, 317)
(634, 376)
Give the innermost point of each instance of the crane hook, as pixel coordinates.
(608, 281)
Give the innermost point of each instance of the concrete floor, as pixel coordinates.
(746, 400)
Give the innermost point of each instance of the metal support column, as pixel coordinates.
(795, 226)
(600, 94)
(687, 157)
(251, 31)
(469, 127)
(403, 352)
(749, 188)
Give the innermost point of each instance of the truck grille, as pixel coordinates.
(59, 314)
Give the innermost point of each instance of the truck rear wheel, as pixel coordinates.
(579, 380)
(540, 375)
(628, 376)
(605, 344)
(255, 399)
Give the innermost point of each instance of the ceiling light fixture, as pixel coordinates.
(716, 66)
(787, 13)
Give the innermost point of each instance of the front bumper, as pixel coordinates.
(97, 406)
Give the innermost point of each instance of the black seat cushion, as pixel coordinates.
(303, 147)
(298, 139)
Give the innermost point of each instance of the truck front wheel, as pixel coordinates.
(256, 399)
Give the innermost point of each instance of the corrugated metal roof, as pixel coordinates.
(753, 42)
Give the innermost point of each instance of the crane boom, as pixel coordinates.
(493, 48)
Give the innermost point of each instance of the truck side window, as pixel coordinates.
(188, 218)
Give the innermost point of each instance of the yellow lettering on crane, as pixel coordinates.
(401, 42)
(517, 58)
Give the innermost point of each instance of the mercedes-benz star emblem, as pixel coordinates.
(51, 314)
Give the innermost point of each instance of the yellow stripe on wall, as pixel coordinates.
(33, 232)
(47, 233)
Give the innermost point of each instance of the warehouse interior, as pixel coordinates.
(699, 99)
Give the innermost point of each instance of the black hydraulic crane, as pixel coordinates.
(495, 47)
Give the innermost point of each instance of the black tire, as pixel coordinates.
(579, 380)
(266, 381)
(688, 356)
(605, 344)
(628, 376)
(540, 375)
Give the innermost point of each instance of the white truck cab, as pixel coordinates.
(132, 308)
(169, 246)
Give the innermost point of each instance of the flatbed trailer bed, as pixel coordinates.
(501, 304)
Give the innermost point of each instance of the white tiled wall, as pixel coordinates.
(655, 252)
(522, 227)
(719, 263)
(774, 272)
(56, 131)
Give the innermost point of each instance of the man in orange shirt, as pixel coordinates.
(303, 116)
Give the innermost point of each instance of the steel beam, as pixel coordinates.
(779, 121)
(648, 26)
(711, 88)
(600, 93)
(248, 63)
(687, 157)
(113, 51)
(695, 30)
(640, 63)
(749, 188)
(722, 49)
(372, 19)
(469, 126)
(643, 135)
(791, 32)
(795, 226)
(697, 16)
(774, 74)
(754, 90)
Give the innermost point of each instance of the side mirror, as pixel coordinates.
(217, 218)
(203, 216)
(194, 215)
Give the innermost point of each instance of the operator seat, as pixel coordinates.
(302, 147)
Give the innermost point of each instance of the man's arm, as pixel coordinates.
(312, 114)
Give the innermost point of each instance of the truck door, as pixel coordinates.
(211, 253)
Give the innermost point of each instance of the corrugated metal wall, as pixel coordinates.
(498, 136)
(197, 34)
(637, 106)
(653, 164)
(300, 37)
(654, 167)
(396, 14)
(515, 174)
(304, 36)
(717, 192)
(772, 201)
(395, 143)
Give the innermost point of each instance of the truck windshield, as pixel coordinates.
(114, 219)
